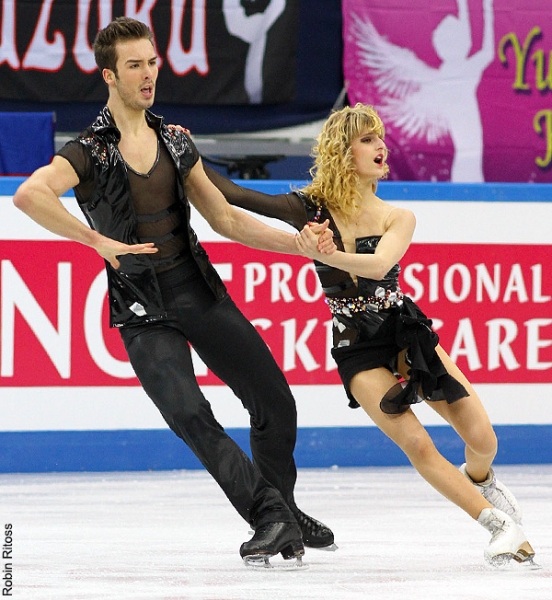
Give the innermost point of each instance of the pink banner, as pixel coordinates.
(464, 86)
(490, 304)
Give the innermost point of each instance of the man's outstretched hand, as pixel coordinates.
(110, 249)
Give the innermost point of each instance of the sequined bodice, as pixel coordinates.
(339, 284)
(368, 287)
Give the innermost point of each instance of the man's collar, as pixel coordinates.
(105, 123)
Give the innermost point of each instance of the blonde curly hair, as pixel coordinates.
(334, 178)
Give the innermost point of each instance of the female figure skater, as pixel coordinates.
(379, 334)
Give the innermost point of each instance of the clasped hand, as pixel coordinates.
(315, 239)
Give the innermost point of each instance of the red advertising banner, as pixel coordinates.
(491, 304)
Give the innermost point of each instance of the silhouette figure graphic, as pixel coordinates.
(250, 20)
(429, 102)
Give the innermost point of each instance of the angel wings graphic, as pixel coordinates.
(428, 102)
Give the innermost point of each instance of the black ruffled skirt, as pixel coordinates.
(374, 339)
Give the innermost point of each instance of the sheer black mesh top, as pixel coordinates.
(161, 219)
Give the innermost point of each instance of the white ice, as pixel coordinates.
(174, 536)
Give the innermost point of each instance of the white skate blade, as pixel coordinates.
(531, 564)
(262, 562)
(503, 561)
(330, 548)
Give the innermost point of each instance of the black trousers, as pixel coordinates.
(262, 490)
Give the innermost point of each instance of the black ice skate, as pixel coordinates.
(271, 539)
(315, 533)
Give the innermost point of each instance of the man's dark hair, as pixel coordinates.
(122, 29)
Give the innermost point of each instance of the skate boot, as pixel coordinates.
(271, 539)
(315, 533)
(508, 540)
(497, 494)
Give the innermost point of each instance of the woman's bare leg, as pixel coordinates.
(470, 420)
(408, 433)
(508, 540)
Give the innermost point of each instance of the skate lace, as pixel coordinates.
(311, 525)
(496, 496)
(496, 527)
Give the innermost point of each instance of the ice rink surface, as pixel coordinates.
(174, 536)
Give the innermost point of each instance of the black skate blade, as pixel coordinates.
(262, 562)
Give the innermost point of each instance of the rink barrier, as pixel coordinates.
(392, 190)
(317, 447)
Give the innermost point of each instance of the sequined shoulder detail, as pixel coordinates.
(97, 147)
(177, 142)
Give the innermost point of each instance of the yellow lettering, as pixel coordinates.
(543, 80)
(521, 54)
(542, 124)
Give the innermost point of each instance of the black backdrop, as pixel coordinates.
(318, 83)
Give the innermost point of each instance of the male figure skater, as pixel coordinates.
(133, 178)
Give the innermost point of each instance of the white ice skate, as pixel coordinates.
(495, 492)
(508, 540)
